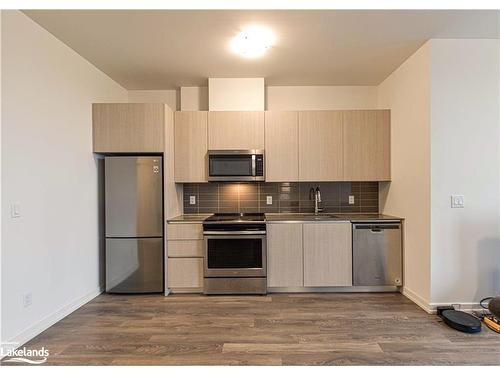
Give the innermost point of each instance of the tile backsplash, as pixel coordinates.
(286, 197)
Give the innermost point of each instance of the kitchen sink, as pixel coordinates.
(320, 217)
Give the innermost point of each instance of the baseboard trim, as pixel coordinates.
(336, 289)
(418, 300)
(44, 323)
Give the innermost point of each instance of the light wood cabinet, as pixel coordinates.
(184, 231)
(186, 248)
(284, 255)
(185, 274)
(282, 146)
(327, 254)
(235, 130)
(191, 142)
(367, 145)
(320, 146)
(128, 127)
(299, 146)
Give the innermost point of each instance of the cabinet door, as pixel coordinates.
(128, 127)
(190, 144)
(284, 255)
(367, 145)
(185, 273)
(320, 146)
(235, 130)
(282, 146)
(327, 254)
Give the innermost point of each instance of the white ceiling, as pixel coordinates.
(162, 49)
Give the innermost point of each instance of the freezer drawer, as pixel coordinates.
(134, 265)
(377, 254)
(134, 196)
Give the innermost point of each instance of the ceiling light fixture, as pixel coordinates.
(253, 41)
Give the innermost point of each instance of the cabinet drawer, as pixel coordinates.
(185, 272)
(186, 248)
(184, 232)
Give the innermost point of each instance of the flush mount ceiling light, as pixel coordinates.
(253, 41)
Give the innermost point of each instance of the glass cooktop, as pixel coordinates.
(236, 217)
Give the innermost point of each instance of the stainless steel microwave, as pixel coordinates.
(236, 165)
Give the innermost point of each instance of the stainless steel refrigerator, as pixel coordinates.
(133, 224)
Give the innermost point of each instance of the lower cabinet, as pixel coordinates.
(309, 254)
(284, 255)
(185, 274)
(327, 254)
(185, 248)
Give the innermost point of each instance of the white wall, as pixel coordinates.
(1, 182)
(293, 98)
(236, 94)
(278, 98)
(407, 93)
(194, 99)
(169, 97)
(47, 166)
(446, 140)
(465, 245)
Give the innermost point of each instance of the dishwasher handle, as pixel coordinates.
(378, 227)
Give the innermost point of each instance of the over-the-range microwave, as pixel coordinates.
(236, 165)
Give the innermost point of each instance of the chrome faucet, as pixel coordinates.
(316, 195)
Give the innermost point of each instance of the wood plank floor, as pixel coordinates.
(278, 329)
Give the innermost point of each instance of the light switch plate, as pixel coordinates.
(15, 210)
(351, 199)
(457, 201)
(269, 199)
(27, 299)
(192, 199)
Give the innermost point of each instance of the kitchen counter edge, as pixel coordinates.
(188, 219)
(309, 218)
(294, 218)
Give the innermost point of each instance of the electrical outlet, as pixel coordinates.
(27, 299)
(269, 199)
(351, 199)
(457, 201)
(192, 199)
(15, 210)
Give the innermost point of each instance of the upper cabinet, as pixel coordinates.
(235, 130)
(191, 142)
(299, 146)
(128, 127)
(367, 145)
(282, 146)
(320, 146)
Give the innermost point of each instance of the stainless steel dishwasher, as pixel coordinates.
(377, 253)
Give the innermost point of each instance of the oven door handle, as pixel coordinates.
(230, 233)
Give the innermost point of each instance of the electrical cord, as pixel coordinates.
(485, 311)
(483, 300)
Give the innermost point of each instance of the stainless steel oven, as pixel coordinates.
(236, 165)
(235, 256)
